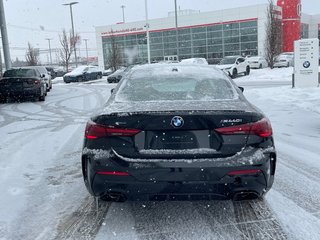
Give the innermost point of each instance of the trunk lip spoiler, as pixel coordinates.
(239, 159)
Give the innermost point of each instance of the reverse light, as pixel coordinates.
(244, 172)
(94, 131)
(260, 128)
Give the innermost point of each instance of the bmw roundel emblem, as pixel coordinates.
(177, 121)
(306, 64)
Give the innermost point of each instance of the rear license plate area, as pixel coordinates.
(177, 140)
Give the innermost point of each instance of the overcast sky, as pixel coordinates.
(34, 20)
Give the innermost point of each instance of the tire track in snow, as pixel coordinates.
(83, 223)
(191, 220)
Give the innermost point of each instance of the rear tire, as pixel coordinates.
(247, 72)
(260, 66)
(234, 73)
(42, 97)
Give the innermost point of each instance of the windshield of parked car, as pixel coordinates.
(227, 61)
(175, 84)
(21, 72)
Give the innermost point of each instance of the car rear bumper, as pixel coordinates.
(208, 178)
(20, 92)
(255, 65)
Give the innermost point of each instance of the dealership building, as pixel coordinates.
(210, 35)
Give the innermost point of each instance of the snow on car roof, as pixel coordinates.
(198, 71)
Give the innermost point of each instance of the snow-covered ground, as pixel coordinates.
(43, 195)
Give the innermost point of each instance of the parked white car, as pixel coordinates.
(257, 62)
(47, 77)
(201, 61)
(284, 60)
(233, 65)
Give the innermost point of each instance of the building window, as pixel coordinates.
(212, 42)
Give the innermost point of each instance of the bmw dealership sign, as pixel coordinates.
(306, 62)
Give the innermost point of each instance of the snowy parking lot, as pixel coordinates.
(43, 195)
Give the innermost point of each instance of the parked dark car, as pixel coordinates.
(52, 72)
(21, 83)
(117, 75)
(60, 72)
(83, 73)
(178, 132)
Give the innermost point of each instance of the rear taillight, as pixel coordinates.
(94, 131)
(244, 172)
(261, 128)
(33, 81)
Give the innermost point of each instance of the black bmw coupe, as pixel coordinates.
(178, 132)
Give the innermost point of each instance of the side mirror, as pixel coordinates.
(43, 75)
(241, 88)
(237, 62)
(112, 90)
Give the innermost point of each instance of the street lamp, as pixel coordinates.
(70, 5)
(49, 39)
(123, 7)
(86, 40)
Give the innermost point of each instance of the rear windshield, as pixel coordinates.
(175, 87)
(20, 73)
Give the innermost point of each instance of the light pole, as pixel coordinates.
(49, 39)
(86, 40)
(123, 7)
(147, 28)
(4, 34)
(75, 51)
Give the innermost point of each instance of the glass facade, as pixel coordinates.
(304, 30)
(212, 42)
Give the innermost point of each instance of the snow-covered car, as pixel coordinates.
(284, 60)
(83, 73)
(201, 61)
(257, 62)
(47, 76)
(107, 72)
(234, 65)
(117, 75)
(178, 124)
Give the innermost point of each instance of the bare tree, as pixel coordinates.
(32, 56)
(114, 58)
(68, 43)
(273, 35)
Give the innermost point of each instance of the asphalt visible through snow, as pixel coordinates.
(46, 197)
